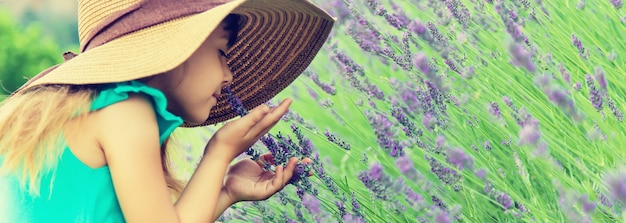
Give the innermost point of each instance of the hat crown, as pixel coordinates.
(94, 15)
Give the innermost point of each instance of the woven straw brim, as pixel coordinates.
(278, 40)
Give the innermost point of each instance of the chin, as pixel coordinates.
(198, 117)
(195, 119)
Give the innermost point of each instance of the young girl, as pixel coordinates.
(85, 141)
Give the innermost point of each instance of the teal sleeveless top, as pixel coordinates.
(77, 192)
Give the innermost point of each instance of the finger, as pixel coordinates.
(270, 119)
(277, 183)
(268, 158)
(252, 118)
(264, 159)
(289, 170)
(307, 161)
(261, 162)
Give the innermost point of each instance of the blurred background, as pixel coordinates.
(34, 32)
(55, 18)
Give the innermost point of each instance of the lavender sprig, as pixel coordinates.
(281, 148)
(241, 110)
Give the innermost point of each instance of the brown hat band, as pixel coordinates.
(143, 15)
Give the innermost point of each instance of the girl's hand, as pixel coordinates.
(237, 136)
(246, 180)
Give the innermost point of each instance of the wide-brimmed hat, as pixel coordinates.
(123, 40)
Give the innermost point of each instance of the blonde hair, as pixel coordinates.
(32, 126)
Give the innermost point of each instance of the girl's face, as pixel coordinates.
(193, 87)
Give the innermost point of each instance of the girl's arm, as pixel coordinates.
(223, 202)
(128, 134)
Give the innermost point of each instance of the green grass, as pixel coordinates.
(537, 182)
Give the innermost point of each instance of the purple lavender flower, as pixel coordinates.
(599, 76)
(313, 95)
(617, 4)
(321, 173)
(438, 202)
(614, 109)
(301, 181)
(373, 90)
(325, 87)
(356, 207)
(459, 11)
(441, 41)
(235, 103)
(452, 66)
(410, 129)
(305, 144)
(375, 171)
(334, 139)
(494, 109)
(521, 57)
(287, 148)
(440, 141)
(394, 21)
(507, 100)
(588, 206)
(376, 181)
(413, 198)
(529, 135)
(577, 43)
(506, 142)
(459, 158)
(505, 201)
(398, 59)
(617, 186)
(566, 75)
(241, 110)
(263, 208)
(582, 52)
(368, 40)
(338, 9)
(311, 203)
(442, 217)
(341, 207)
(501, 197)
(560, 98)
(385, 136)
(421, 62)
(446, 175)
(577, 86)
(352, 219)
(404, 164)
(417, 27)
(487, 145)
(512, 27)
(481, 173)
(468, 73)
(605, 201)
(594, 94)
(345, 61)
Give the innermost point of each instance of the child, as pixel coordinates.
(85, 141)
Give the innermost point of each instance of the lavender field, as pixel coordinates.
(454, 111)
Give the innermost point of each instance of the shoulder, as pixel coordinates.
(129, 136)
(132, 119)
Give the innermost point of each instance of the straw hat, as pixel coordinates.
(123, 40)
